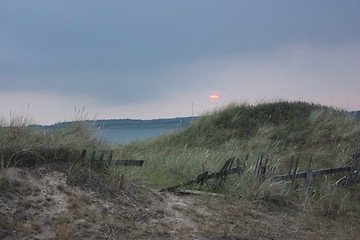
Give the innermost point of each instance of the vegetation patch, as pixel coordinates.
(47, 195)
(280, 129)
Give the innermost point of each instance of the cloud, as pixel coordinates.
(326, 75)
(43, 108)
(329, 75)
(48, 108)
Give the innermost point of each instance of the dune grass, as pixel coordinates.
(280, 129)
(19, 136)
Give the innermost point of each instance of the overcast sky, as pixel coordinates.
(149, 59)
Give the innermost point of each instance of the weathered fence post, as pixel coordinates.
(261, 166)
(263, 169)
(92, 157)
(201, 178)
(258, 163)
(309, 177)
(238, 165)
(354, 168)
(99, 162)
(102, 155)
(357, 158)
(82, 155)
(111, 154)
(291, 165)
(222, 175)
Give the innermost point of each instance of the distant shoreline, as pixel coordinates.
(166, 123)
(180, 122)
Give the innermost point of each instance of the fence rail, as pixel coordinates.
(220, 176)
(262, 170)
(315, 173)
(353, 172)
(35, 157)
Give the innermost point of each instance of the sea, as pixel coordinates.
(124, 136)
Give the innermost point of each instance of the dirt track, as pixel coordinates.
(40, 204)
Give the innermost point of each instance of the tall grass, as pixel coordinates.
(19, 136)
(280, 129)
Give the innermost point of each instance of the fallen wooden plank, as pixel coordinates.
(201, 178)
(172, 188)
(129, 162)
(195, 192)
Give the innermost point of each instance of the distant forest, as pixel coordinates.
(181, 122)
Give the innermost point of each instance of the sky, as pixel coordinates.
(148, 59)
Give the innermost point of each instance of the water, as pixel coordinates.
(128, 135)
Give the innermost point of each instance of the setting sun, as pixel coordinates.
(214, 97)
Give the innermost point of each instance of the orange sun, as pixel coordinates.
(214, 98)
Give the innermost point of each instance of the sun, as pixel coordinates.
(214, 97)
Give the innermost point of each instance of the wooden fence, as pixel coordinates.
(91, 157)
(101, 159)
(220, 176)
(262, 170)
(353, 172)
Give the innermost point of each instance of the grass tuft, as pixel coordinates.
(23, 143)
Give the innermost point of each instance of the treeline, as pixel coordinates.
(181, 122)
